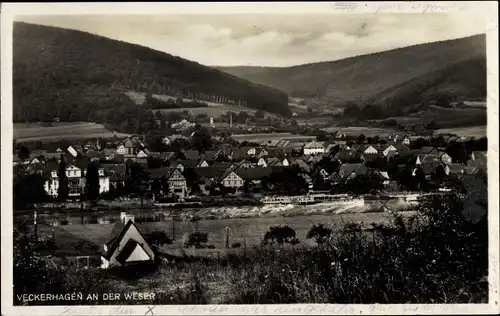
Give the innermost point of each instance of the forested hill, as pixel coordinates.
(80, 76)
(454, 69)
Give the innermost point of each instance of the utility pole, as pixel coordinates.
(173, 227)
(36, 226)
(227, 237)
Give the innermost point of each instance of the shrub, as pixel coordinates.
(236, 245)
(279, 234)
(319, 232)
(158, 238)
(196, 240)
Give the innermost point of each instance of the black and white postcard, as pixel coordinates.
(250, 158)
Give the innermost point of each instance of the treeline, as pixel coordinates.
(178, 103)
(74, 75)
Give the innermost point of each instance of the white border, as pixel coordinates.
(489, 12)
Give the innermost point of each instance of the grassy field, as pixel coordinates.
(213, 110)
(63, 130)
(271, 136)
(473, 131)
(249, 231)
(356, 130)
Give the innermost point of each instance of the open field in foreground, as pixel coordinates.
(62, 130)
(249, 231)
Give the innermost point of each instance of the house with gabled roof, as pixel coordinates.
(176, 181)
(369, 150)
(454, 168)
(339, 135)
(262, 162)
(350, 170)
(387, 149)
(274, 162)
(255, 175)
(445, 158)
(125, 246)
(345, 155)
(230, 179)
(299, 162)
(202, 163)
(314, 148)
(191, 154)
(244, 164)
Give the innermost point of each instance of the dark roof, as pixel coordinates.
(430, 167)
(402, 149)
(345, 155)
(456, 168)
(348, 168)
(209, 154)
(119, 229)
(188, 163)
(256, 173)
(372, 157)
(208, 172)
(158, 173)
(191, 154)
(273, 162)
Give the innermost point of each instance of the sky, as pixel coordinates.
(271, 40)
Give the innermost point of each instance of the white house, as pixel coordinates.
(262, 163)
(285, 162)
(370, 150)
(389, 149)
(231, 180)
(314, 148)
(72, 151)
(76, 181)
(126, 245)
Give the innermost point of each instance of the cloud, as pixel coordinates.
(272, 40)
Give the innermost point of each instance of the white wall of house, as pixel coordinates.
(232, 180)
(177, 184)
(262, 163)
(370, 150)
(389, 149)
(313, 150)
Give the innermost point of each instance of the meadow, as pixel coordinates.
(62, 130)
(356, 130)
(246, 231)
(214, 109)
(467, 131)
(271, 136)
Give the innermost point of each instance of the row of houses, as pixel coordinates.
(231, 166)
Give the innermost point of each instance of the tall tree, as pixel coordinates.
(92, 186)
(138, 182)
(63, 189)
(23, 153)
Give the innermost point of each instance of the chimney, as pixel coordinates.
(124, 217)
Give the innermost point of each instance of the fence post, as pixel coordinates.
(227, 237)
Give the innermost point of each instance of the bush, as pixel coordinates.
(196, 239)
(279, 235)
(319, 232)
(158, 238)
(236, 245)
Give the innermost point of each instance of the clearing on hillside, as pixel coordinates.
(213, 110)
